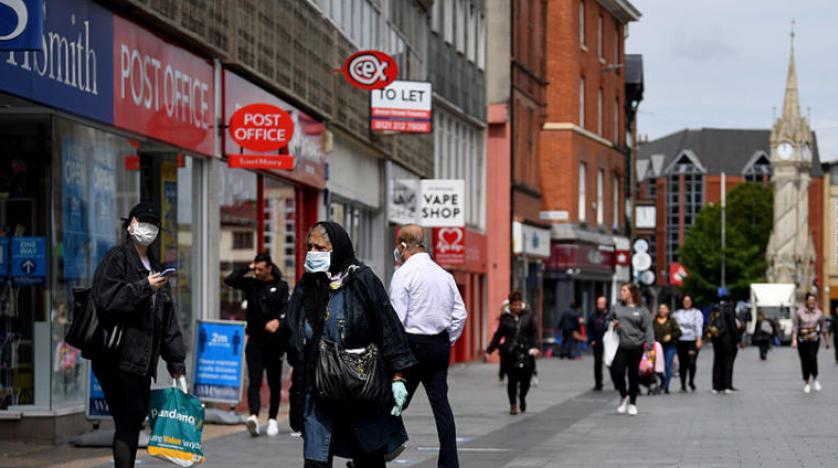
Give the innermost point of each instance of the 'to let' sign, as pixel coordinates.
(261, 127)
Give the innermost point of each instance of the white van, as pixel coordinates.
(777, 300)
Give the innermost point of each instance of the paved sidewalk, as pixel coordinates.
(769, 423)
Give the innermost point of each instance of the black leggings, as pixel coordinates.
(687, 356)
(127, 395)
(518, 377)
(808, 352)
(627, 360)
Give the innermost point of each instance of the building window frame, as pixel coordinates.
(600, 197)
(582, 102)
(582, 202)
(600, 50)
(600, 114)
(582, 24)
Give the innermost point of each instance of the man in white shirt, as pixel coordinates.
(431, 309)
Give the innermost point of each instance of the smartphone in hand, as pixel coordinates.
(168, 272)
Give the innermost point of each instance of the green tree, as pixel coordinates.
(749, 222)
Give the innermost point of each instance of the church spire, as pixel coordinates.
(791, 104)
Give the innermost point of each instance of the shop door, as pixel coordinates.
(24, 324)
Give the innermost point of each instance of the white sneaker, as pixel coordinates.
(632, 410)
(273, 428)
(729, 391)
(623, 406)
(818, 386)
(807, 388)
(253, 425)
(714, 391)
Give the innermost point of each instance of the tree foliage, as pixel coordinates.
(748, 226)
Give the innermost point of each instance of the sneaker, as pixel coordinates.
(623, 406)
(253, 425)
(807, 388)
(632, 410)
(817, 386)
(535, 381)
(714, 391)
(273, 428)
(729, 391)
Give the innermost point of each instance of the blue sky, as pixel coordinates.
(723, 63)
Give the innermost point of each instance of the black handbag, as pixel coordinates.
(349, 375)
(86, 332)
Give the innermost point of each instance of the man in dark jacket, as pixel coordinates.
(569, 324)
(267, 300)
(596, 328)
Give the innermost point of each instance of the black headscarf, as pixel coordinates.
(316, 285)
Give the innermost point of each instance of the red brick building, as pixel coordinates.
(679, 173)
(582, 164)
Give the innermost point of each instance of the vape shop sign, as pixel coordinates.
(442, 203)
(403, 106)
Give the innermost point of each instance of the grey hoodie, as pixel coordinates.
(635, 326)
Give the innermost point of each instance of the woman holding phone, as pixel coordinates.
(135, 307)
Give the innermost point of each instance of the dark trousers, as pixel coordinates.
(808, 352)
(687, 356)
(723, 356)
(764, 344)
(598, 352)
(360, 460)
(627, 361)
(433, 353)
(568, 348)
(262, 355)
(127, 395)
(518, 385)
(835, 341)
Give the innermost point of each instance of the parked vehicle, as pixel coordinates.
(777, 300)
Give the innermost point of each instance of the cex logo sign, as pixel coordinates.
(370, 69)
(21, 24)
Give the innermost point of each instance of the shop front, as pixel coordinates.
(531, 248)
(463, 252)
(575, 273)
(86, 132)
(266, 210)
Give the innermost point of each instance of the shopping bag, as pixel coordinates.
(176, 419)
(610, 343)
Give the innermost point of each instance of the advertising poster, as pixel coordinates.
(97, 407)
(4, 259)
(74, 210)
(168, 213)
(103, 218)
(29, 260)
(219, 358)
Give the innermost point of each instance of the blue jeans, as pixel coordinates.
(669, 351)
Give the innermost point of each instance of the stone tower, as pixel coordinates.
(791, 250)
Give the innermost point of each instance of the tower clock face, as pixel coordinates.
(807, 155)
(784, 150)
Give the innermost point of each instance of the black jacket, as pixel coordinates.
(505, 336)
(371, 319)
(722, 328)
(597, 326)
(266, 301)
(150, 323)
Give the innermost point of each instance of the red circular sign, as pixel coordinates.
(370, 69)
(261, 127)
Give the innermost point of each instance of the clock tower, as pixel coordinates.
(791, 251)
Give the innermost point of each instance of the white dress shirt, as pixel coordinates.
(426, 298)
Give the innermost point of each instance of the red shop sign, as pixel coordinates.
(677, 274)
(261, 161)
(161, 90)
(261, 127)
(370, 69)
(450, 245)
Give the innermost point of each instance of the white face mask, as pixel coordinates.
(318, 262)
(143, 233)
(397, 254)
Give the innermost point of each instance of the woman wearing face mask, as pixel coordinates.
(134, 306)
(341, 300)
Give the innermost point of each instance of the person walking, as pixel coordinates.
(431, 309)
(597, 326)
(808, 325)
(633, 323)
(763, 334)
(722, 331)
(134, 304)
(691, 323)
(570, 325)
(340, 304)
(667, 332)
(267, 301)
(517, 339)
(834, 330)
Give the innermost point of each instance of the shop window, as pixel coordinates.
(243, 240)
(239, 214)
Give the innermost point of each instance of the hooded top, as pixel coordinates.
(342, 257)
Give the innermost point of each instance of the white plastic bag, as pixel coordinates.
(610, 343)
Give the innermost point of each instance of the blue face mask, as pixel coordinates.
(318, 262)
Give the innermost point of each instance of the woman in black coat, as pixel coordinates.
(139, 324)
(517, 339)
(341, 300)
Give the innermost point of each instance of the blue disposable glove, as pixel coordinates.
(400, 396)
